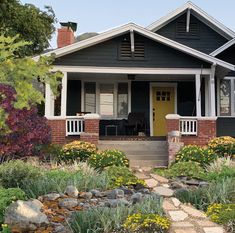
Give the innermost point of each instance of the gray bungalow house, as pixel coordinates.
(177, 74)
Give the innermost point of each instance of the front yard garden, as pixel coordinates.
(205, 177)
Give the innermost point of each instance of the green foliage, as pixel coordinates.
(223, 214)
(51, 152)
(146, 223)
(108, 158)
(5, 229)
(223, 146)
(7, 196)
(195, 153)
(189, 169)
(77, 151)
(16, 172)
(221, 191)
(122, 176)
(31, 23)
(57, 180)
(22, 73)
(106, 220)
(225, 172)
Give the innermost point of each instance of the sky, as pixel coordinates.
(101, 15)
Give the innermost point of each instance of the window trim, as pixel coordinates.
(232, 95)
(114, 117)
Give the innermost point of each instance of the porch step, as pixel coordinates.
(140, 153)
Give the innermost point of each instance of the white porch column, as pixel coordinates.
(212, 92)
(198, 95)
(49, 102)
(64, 95)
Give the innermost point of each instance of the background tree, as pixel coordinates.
(31, 23)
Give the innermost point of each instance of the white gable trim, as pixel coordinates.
(151, 35)
(181, 10)
(223, 47)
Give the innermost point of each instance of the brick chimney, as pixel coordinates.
(66, 34)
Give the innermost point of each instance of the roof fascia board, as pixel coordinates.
(151, 35)
(223, 48)
(225, 31)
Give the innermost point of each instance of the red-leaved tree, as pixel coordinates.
(26, 130)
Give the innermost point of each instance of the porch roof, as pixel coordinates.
(131, 27)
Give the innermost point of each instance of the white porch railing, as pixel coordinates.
(74, 126)
(188, 126)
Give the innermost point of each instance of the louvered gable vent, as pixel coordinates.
(125, 49)
(181, 31)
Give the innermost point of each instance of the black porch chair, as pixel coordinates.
(135, 123)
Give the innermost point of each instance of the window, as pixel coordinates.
(90, 97)
(181, 30)
(125, 49)
(122, 105)
(227, 96)
(108, 99)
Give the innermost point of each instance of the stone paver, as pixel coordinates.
(141, 176)
(213, 230)
(178, 215)
(191, 230)
(205, 223)
(193, 212)
(167, 205)
(166, 192)
(181, 224)
(159, 178)
(175, 201)
(151, 183)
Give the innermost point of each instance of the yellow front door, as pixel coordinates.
(163, 99)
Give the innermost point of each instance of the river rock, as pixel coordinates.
(71, 191)
(25, 215)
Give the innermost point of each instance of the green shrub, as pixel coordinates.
(122, 176)
(223, 146)
(108, 158)
(58, 180)
(195, 153)
(106, 220)
(221, 191)
(146, 223)
(223, 214)
(189, 169)
(77, 151)
(51, 152)
(219, 164)
(7, 196)
(225, 172)
(16, 172)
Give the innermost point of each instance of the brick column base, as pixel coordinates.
(58, 131)
(92, 129)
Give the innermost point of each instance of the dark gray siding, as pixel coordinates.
(209, 39)
(228, 55)
(226, 126)
(74, 97)
(106, 54)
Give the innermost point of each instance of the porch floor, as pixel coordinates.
(131, 138)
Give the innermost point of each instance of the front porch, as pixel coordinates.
(114, 94)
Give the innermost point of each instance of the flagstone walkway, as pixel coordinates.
(184, 217)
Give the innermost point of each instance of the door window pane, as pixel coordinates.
(107, 99)
(122, 99)
(225, 97)
(90, 97)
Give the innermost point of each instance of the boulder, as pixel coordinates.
(86, 195)
(25, 216)
(116, 193)
(71, 191)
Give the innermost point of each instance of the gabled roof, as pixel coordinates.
(199, 13)
(138, 29)
(223, 48)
